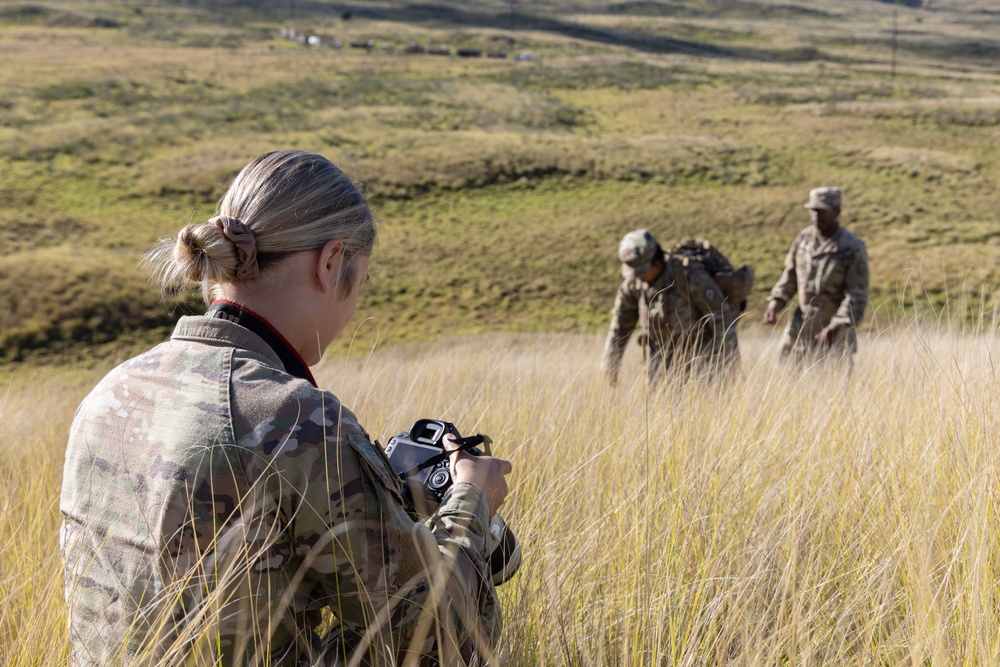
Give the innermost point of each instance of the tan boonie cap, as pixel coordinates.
(637, 251)
(823, 198)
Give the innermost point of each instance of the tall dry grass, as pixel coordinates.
(796, 516)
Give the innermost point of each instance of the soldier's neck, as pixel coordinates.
(654, 273)
(830, 233)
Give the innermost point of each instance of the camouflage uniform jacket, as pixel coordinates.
(683, 312)
(830, 277)
(215, 507)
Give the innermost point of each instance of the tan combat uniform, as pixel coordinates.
(684, 315)
(216, 507)
(830, 277)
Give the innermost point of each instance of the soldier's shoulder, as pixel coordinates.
(270, 405)
(852, 239)
(807, 233)
(132, 377)
(630, 287)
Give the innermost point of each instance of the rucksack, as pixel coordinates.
(735, 283)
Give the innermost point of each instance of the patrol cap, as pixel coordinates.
(637, 251)
(820, 198)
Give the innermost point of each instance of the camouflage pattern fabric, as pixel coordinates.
(830, 277)
(684, 315)
(219, 511)
(736, 283)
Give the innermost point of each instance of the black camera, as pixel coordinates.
(418, 456)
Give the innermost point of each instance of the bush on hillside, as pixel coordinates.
(89, 298)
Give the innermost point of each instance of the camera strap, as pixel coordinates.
(294, 365)
(464, 445)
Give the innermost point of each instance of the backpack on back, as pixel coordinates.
(735, 283)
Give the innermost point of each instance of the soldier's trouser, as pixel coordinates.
(658, 360)
(799, 343)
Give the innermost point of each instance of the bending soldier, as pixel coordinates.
(683, 311)
(827, 267)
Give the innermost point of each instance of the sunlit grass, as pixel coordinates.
(796, 516)
(793, 516)
(36, 408)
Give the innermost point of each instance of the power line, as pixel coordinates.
(892, 61)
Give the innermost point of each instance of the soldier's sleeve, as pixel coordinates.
(852, 308)
(624, 317)
(714, 311)
(396, 587)
(788, 283)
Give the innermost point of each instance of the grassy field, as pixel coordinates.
(505, 183)
(792, 517)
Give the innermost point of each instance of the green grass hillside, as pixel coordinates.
(503, 184)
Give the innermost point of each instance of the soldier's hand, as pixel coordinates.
(827, 335)
(771, 315)
(486, 472)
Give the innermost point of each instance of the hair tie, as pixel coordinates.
(246, 245)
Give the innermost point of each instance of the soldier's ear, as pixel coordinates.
(328, 265)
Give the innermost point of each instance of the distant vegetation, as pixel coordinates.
(503, 184)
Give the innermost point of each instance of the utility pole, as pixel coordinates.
(892, 62)
(513, 24)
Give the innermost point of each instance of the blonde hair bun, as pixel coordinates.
(202, 253)
(280, 203)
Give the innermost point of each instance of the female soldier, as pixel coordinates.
(220, 509)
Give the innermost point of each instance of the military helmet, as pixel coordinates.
(637, 251)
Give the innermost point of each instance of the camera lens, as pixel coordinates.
(439, 480)
(505, 558)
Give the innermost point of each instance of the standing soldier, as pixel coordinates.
(683, 311)
(828, 267)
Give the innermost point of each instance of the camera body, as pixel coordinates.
(418, 456)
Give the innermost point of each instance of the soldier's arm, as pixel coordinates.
(788, 283)
(396, 586)
(713, 309)
(624, 317)
(852, 308)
